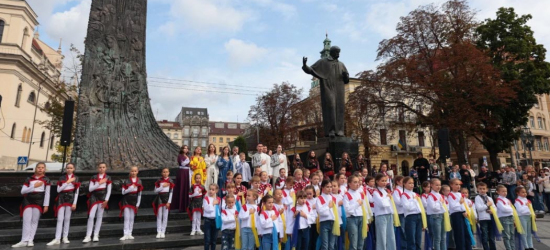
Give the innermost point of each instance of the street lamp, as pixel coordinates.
(527, 138)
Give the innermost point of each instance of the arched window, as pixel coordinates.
(12, 131)
(24, 40)
(28, 135)
(51, 141)
(169, 135)
(47, 105)
(24, 137)
(176, 136)
(42, 137)
(32, 97)
(1, 29)
(18, 95)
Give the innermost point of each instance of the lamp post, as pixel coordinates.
(527, 138)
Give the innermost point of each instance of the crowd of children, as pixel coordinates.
(302, 211)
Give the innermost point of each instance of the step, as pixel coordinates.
(175, 240)
(78, 232)
(81, 218)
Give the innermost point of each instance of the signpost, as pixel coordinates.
(22, 161)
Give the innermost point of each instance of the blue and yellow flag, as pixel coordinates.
(400, 144)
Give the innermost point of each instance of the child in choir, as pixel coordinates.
(65, 203)
(505, 213)
(354, 204)
(247, 217)
(242, 167)
(445, 191)
(255, 185)
(466, 194)
(268, 219)
(315, 182)
(265, 186)
(36, 200)
(339, 195)
(210, 207)
(131, 199)
(229, 179)
(164, 188)
(229, 223)
(98, 201)
(426, 189)
(435, 211)
(412, 207)
(324, 205)
(301, 229)
(280, 182)
(384, 214)
(311, 201)
(524, 210)
(342, 183)
(397, 195)
(196, 195)
(280, 207)
(299, 182)
(458, 217)
(288, 192)
(307, 173)
(483, 204)
(240, 189)
(364, 175)
(230, 190)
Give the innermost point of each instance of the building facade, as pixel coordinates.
(30, 73)
(173, 130)
(222, 133)
(195, 127)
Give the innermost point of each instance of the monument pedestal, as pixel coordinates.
(336, 146)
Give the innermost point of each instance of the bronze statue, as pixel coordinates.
(332, 75)
(115, 123)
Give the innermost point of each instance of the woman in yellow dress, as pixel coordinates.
(198, 165)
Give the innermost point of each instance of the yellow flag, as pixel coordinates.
(284, 227)
(365, 226)
(471, 217)
(533, 217)
(336, 225)
(254, 231)
(318, 223)
(238, 244)
(519, 228)
(446, 217)
(422, 213)
(500, 228)
(396, 222)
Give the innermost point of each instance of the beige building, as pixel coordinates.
(173, 130)
(29, 75)
(222, 133)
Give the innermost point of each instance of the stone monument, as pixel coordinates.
(332, 75)
(115, 123)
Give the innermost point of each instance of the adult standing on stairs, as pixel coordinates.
(278, 161)
(212, 171)
(183, 181)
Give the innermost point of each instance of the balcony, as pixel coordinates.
(13, 49)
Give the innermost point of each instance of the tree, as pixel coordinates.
(273, 114)
(510, 44)
(241, 143)
(432, 74)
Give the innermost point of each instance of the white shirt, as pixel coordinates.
(304, 221)
(504, 207)
(351, 204)
(454, 203)
(481, 207)
(163, 189)
(42, 189)
(266, 222)
(434, 205)
(287, 198)
(313, 205)
(382, 203)
(323, 210)
(522, 206)
(95, 186)
(244, 214)
(410, 203)
(208, 207)
(265, 167)
(397, 196)
(228, 218)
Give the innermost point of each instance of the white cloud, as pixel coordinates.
(208, 15)
(287, 10)
(243, 53)
(168, 28)
(70, 25)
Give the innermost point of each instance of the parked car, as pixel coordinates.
(50, 167)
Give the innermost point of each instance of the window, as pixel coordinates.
(218, 125)
(42, 138)
(169, 135)
(203, 144)
(204, 131)
(243, 126)
(186, 142)
(546, 145)
(403, 138)
(47, 105)
(186, 131)
(24, 137)
(539, 121)
(19, 90)
(383, 137)
(421, 139)
(544, 123)
(539, 144)
(1, 29)
(195, 142)
(532, 121)
(32, 97)
(176, 136)
(51, 141)
(227, 140)
(12, 135)
(221, 139)
(232, 126)
(195, 131)
(214, 139)
(25, 35)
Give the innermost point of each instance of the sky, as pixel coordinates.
(222, 54)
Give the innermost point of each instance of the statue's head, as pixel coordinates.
(335, 52)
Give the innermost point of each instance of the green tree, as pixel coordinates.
(241, 143)
(513, 49)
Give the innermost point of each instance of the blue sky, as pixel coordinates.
(248, 45)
